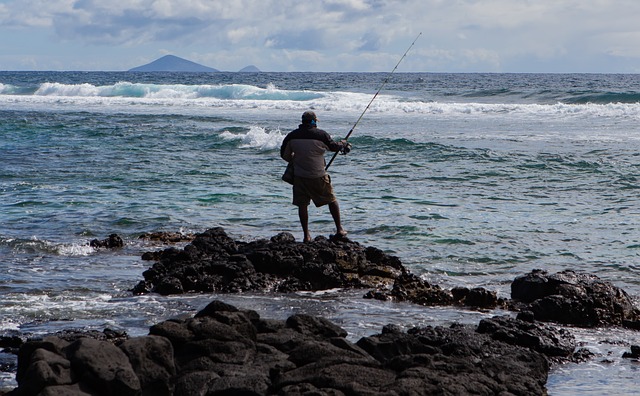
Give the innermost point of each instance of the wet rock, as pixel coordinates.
(47, 368)
(226, 350)
(113, 336)
(88, 365)
(114, 241)
(102, 366)
(11, 340)
(456, 360)
(475, 297)
(215, 262)
(412, 288)
(573, 298)
(634, 354)
(582, 355)
(314, 326)
(167, 237)
(547, 340)
(152, 360)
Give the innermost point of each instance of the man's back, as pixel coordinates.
(306, 147)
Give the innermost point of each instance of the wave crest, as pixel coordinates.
(173, 91)
(246, 96)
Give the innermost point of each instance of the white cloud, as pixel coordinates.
(474, 35)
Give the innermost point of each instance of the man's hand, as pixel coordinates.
(346, 147)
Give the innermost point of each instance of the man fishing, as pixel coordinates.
(304, 147)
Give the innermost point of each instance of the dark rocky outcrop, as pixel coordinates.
(215, 262)
(550, 341)
(412, 288)
(114, 241)
(573, 298)
(634, 354)
(223, 350)
(567, 297)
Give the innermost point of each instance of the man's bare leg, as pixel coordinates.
(334, 208)
(303, 213)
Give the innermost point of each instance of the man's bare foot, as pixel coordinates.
(307, 238)
(341, 233)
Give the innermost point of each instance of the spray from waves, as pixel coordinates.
(257, 137)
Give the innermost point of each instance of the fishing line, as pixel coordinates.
(372, 99)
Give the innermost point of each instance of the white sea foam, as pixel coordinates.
(64, 249)
(175, 91)
(257, 137)
(155, 97)
(43, 306)
(37, 245)
(75, 250)
(58, 89)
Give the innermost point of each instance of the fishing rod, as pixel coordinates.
(372, 99)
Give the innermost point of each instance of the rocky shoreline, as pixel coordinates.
(225, 350)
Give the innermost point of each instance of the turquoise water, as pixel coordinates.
(469, 179)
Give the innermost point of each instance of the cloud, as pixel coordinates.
(128, 23)
(326, 35)
(307, 40)
(370, 42)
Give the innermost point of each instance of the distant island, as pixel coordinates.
(172, 63)
(250, 69)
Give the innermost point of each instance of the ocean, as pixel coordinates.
(470, 179)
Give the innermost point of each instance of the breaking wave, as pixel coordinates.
(257, 137)
(174, 91)
(500, 102)
(39, 246)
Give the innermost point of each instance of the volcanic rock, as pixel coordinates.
(214, 262)
(573, 298)
(412, 288)
(114, 241)
(167, 237)
(226, 350)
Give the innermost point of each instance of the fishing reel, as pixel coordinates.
(346, 149)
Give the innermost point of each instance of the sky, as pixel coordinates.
(501, 36)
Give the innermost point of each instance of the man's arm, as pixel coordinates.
(332, 145)
(285, 150)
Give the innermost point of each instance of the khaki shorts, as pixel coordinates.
(319, 190)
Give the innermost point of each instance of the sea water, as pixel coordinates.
(471, 179)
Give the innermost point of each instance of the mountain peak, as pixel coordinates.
(172, 63)
(250, 69)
